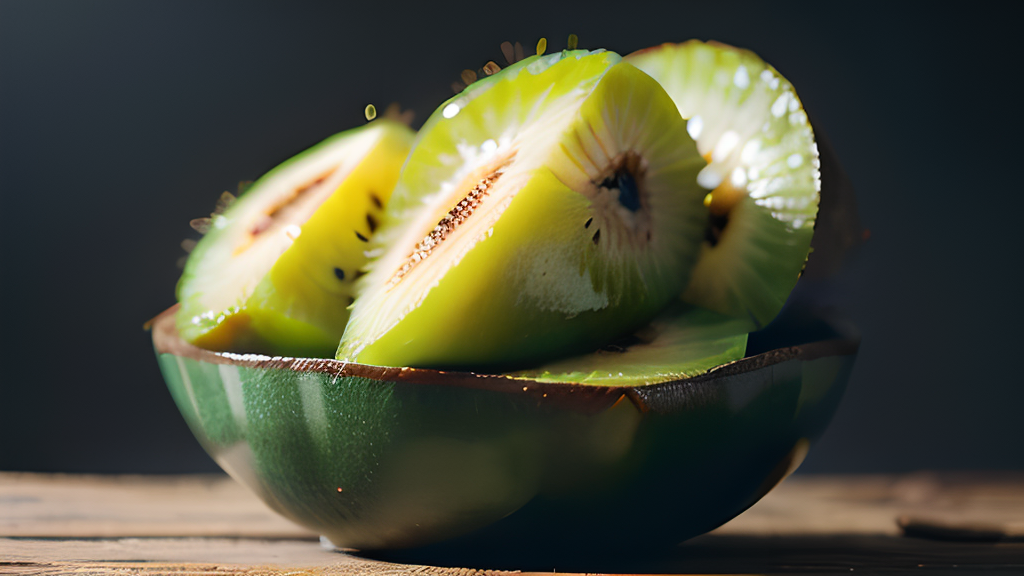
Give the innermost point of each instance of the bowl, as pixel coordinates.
(386, 459)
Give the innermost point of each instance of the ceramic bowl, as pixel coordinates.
(381, 458)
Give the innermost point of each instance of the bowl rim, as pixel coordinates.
(166, 340)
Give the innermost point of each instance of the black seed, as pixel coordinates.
(597, 236)
(629, 196)
(371, 222)
(351, 300)
(339, 273)
(361, 237)
(716, 225)
(376, 201)
(589, 222)
(359, 274)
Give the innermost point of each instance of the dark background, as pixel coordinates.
(120, 121)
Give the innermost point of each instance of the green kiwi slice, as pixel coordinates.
(683, 342)
(762, 169)
(275, 272)
(543, 212)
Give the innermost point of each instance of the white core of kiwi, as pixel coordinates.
(510, 163)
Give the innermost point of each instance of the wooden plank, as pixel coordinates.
(60, 524)
(86, 506)
(874, 504)
(190, 556)
(54, 505)
(708, 554)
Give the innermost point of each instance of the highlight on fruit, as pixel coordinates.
(574, 216)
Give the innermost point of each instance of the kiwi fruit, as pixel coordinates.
(682, 342)
(763, 170)
(275, 272)
(544, 211)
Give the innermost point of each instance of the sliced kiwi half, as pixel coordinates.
(275, 273)
(544, 211)
(762, 170)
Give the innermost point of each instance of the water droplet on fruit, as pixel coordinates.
(709, 178)
(738, 178)
(794, 160)
(450, 110)
(780, 105)
(694, 126)
(741, 79)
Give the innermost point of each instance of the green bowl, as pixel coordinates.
(384, 459)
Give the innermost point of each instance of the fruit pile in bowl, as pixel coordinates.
(551, 316)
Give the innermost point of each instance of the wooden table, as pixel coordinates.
(921, 523)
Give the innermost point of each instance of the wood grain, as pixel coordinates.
(83, 506)
(74, 524)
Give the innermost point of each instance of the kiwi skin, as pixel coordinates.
(551, 272)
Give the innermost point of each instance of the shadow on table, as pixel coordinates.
(716, 554)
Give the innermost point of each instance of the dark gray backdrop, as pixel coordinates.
(120, 121)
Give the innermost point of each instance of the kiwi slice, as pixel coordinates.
(762, 167)
(683, 342)
(275, 273)
(544, 211)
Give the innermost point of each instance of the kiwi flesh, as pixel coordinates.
(275, 273)
(763, 171)
(682, 342)
(544, 211)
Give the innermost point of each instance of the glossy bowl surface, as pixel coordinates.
(380, 459)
